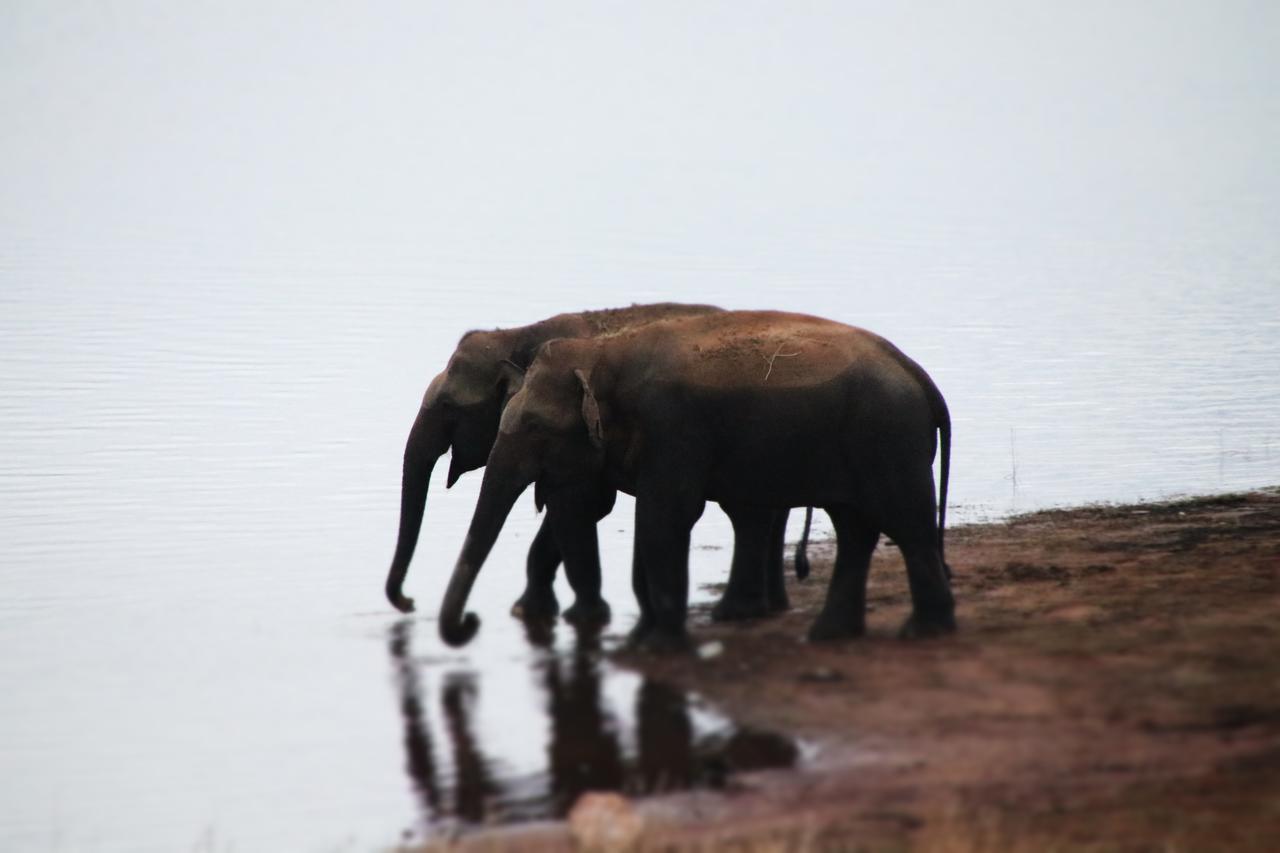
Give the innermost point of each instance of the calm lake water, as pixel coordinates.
(223, 291)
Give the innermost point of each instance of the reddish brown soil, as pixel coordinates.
(1114, 685)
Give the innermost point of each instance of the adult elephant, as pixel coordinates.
(754, 409)
(460, 412)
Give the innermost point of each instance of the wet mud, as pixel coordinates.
(1115, 685)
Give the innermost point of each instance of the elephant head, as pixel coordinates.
(552, 432)
(460, 412)
(463, 404)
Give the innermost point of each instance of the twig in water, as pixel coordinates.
(1013, 462)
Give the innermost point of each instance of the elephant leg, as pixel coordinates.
(933, 609)
(573, 519)
(663, 522)
(640, 586)
(775, 574)
(538, 601)
(746, 596)
(845, 612)
(909, 517)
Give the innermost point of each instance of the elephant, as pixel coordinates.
(753, 409)
(460, 412)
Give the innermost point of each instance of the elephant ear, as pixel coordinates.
(511, 377)
(590, 410)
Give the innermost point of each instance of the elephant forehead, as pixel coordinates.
(433, 396)
(529, 409)
(468, 380)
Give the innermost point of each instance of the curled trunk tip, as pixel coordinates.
(398, 599)
(461, 632)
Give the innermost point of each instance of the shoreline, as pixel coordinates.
(1114, 685)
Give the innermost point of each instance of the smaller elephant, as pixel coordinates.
(460, 413)
(754, 409)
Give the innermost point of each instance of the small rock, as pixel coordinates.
(604, 822)
(707, 651)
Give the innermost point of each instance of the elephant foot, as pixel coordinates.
(588, 612)
(539, 634)
(635, 637)
(536, 606)
(919, 627)
(735, 609)
(659, 641)
(828, 628)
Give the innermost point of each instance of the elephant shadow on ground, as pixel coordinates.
(661, 746)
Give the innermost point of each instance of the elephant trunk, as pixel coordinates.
(428, 440)
(502, 485)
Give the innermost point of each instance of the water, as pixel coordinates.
(225, 285)
(674, 745)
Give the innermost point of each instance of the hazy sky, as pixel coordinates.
(733, 127)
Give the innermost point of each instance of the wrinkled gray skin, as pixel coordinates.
(756, 410)
(461, 412)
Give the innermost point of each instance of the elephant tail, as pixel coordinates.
(944, 439)
(801, 561)
(942, 423)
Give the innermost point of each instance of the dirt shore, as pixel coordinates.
(1114, 685)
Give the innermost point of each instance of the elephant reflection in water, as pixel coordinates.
(584, 752)
(585, 749)
(664, 740)
(475, 784)
(672, 758)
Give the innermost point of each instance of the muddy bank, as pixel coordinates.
(1115, 684)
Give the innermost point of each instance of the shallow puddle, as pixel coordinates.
(659, 740)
